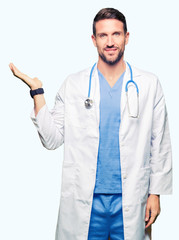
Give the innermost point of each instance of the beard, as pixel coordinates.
(112, 62)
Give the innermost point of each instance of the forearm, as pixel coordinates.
(39, 102)
(39, 99)
(49, 124)
(49, 128)
(160, 152)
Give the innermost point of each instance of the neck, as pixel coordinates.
(111, 72)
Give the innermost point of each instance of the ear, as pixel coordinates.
(94, 40)
(127, 38)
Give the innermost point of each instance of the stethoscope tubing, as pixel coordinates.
(131, 81)
(89, 102)
(91, 73)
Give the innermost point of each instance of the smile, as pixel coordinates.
(110, 49)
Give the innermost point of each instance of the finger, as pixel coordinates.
(151, 220)
(19, 74)
(13, 67)
(15, 70)
(155, 217)
(147, 214)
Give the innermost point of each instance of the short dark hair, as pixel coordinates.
(109, 13)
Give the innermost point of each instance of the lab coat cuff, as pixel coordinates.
(37, 119)
(161, 184)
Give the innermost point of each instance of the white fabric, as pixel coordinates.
(145, 150)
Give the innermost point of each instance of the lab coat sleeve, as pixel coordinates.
(50, 123)
(161, 153)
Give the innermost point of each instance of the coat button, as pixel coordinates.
(126, 209)
(124, 177)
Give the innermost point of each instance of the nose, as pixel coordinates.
(110, 41)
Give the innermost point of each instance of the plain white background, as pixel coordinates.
(50, 40)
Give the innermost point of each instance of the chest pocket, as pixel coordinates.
(77, 115)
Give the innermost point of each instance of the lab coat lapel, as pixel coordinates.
(95, 94)
(123, 93)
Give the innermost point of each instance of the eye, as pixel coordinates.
(102, 35)
(116, 33)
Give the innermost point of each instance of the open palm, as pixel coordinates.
(33, 83)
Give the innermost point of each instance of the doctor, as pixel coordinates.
(117, 151)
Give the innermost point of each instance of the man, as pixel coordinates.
(117, 152)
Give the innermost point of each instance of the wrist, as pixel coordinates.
(35, 87)
(37, 91)
(154, 195)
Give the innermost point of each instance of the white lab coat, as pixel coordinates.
(145, 150)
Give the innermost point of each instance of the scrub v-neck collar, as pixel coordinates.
(116, 83)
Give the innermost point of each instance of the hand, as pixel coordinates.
(152, 209)
(33, 83)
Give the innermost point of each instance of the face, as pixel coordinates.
(110, 40)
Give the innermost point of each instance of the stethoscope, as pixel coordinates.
(89, 101)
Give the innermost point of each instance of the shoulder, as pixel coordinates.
(145, 78)
(76, 77)
(74, 82)
(79, 74)
(143, 73)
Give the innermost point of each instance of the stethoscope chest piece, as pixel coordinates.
(88, 103)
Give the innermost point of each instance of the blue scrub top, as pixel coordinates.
(108, 174)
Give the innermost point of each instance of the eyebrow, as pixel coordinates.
(117, 32)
